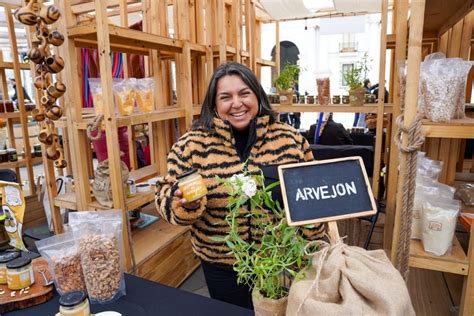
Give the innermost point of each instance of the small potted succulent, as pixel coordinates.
(286, 81)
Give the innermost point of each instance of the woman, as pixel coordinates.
(237, 124)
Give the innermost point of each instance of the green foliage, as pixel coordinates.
(356, 75)
(288, 77)
(281, 251)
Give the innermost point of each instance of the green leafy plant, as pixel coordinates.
(355, 76)
(288, 77)
(267, 265)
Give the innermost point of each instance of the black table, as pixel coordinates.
(148, 298)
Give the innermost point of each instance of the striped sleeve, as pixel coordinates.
(166, 203)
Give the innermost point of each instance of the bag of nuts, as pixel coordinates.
(64, 262)
(99, 239)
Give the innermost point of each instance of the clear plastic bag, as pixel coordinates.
(64, 262)
(439, 225)
(426, 167)
(443, 88)
(124, 96)
(96, 90)
(144, 94)
(465, 193)
(99, 238)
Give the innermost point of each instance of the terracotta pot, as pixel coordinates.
(286, 97)
(356, 97)
(267, 307)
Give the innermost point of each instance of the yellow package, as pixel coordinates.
(124, 101)
(13, 206)
(144, 94)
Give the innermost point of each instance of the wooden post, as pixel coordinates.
(277, 49)
(467, 298)
(333, 231)
(411, 98)
(21, 98)
(113, 151)
(380, 107)
(400, 54)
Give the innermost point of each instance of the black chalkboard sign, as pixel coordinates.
(325, 190)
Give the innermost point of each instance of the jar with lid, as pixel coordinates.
(20, 273)
(192, 185)
(12, 154)
(6, 257)
(74, 304)
(3, 155)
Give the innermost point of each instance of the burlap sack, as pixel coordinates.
(268, 307)
(347, 280)
(101, 186)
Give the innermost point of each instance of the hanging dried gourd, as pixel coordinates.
(47, 65)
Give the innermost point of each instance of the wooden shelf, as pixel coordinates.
(19, 163)
(167, 113)
(462, 128)
(9, 65)
(124, 39)
(229, 49)
(337, 108)
(457, 262)
(197, 109)
(151, 239)
(264, 62)
(68, 200)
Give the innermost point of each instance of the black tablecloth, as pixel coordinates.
(148, 298)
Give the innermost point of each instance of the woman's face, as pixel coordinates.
(236, 102)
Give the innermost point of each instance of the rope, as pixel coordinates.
(415, 141)
(95, 126)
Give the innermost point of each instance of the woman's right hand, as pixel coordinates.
(184, 203)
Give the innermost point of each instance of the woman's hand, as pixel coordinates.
(184, 203)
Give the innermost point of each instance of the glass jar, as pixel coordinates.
(336, 99)
(6, 257)
(20, 273)
(3, 155)
(192, 185)
(74, 304)
(12, 154)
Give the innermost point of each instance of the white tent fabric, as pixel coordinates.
(284, 9)
(353, 6)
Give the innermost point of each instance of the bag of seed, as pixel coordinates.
(439, 224)
(99, 239)
(64, 262)
(443, 88)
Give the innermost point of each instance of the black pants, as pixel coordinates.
(222, 285)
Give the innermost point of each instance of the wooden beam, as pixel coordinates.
(466, 8)
(400, 54)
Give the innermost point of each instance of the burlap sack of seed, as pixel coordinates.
(101, 187)
(347, 280)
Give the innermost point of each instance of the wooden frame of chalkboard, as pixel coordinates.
(358, 205)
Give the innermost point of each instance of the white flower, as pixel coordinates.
(249, 187)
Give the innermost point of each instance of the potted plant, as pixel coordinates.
(286, 82)
(355, 80)
(267, 267)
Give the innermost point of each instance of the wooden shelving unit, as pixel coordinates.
(21, 116)
(160, 251)
(443, 140)
(336, 108)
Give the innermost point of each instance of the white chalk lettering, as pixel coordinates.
(299, 195)
(324, 192)
(341, 190)
(307, 192)
(351, 188)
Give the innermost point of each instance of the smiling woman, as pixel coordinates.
(236, 125)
